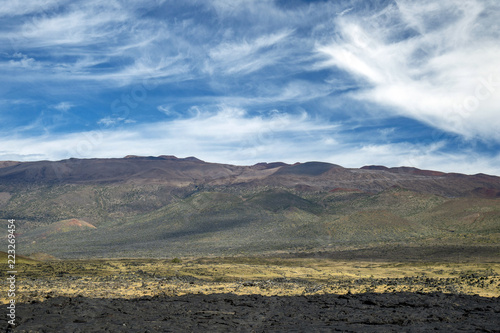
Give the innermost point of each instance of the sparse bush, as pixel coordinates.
(176, 261)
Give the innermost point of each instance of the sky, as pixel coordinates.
(395, 83)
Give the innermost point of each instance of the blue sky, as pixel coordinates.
(413, 83)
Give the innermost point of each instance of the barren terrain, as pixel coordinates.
(254, 294)
(161, 244)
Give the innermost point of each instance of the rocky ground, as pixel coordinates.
(369, 312)
(253, 295)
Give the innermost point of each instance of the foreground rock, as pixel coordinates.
(370, 312)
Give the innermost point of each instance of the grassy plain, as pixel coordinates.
(131, 278)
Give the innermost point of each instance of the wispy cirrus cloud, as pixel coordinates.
(247, 56)
(83, 40)
(433, 61)
(20, 60)
(63, 106)
(22, 7)
(230, 135)
(350, 82)
(76, 24)
(226, 133)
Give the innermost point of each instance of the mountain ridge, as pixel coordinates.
(149, 206)
(171, 170)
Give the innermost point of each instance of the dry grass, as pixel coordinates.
(130, 278)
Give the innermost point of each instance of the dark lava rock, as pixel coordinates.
(370, 312)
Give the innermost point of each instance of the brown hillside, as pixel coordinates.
(182, 172)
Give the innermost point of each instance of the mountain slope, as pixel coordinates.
(165, 206)
(181, 172)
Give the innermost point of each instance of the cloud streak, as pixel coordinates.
(232, 136)
(246, 57)
(228, 133)
(446, 74)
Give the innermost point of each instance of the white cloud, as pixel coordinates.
(23, 61)
(113, 121)
(168, 110)
(268, 94)
(427, 157)
(237, 8)
(447, 74)
(247, 56)
(22, 7)
(232, 136)
(63, 106)
(229, 134)
(84, 23)
(16, 101)
(162, 70)
(345, 11)
(82, 35)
